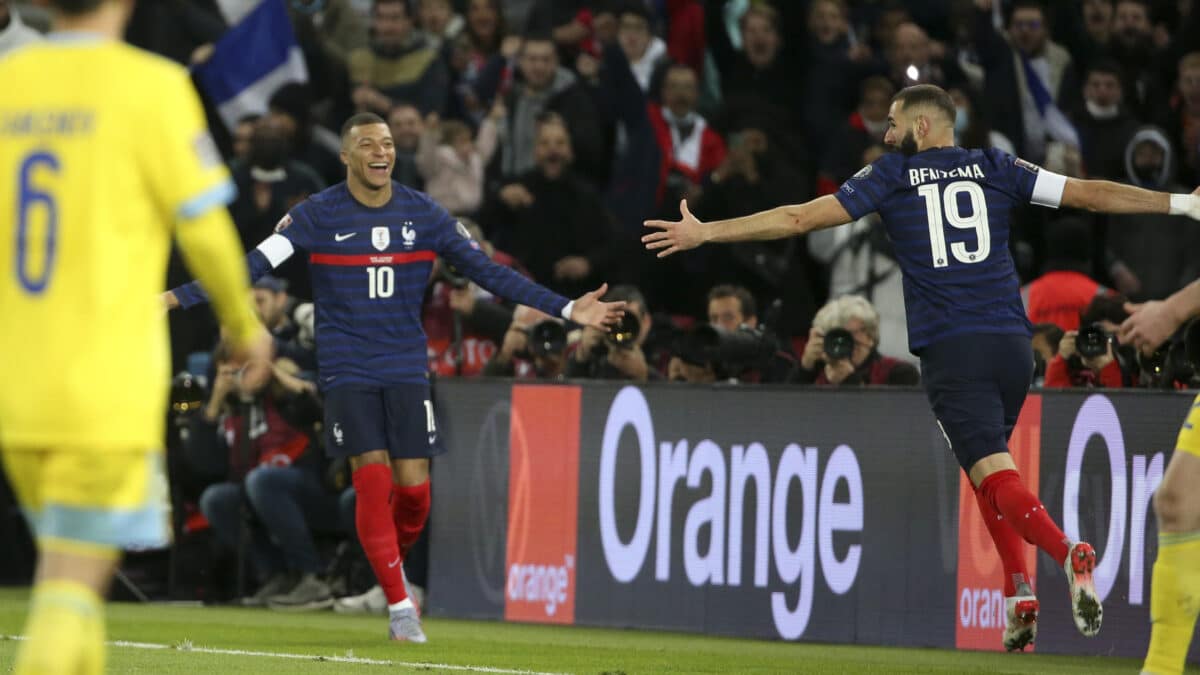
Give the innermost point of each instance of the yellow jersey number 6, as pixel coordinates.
(33, 279)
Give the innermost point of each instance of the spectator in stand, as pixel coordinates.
(242, 133)
(1184, 118)
(1046, 338)
(407, 129)
(399, 64)
(691, 149)
(864, 128)
(1104, 125)
(686, 41)
(14, 33)
(550, 218)
(314, 145)
(452, 162)
(269, 183)
(546, 87)
(647, 53)
(480, 60)
(834, 65)
(271, 303)
(181, 31)
(1160, 250)
(912, 59)
(338, 27)
(1064, 290)
(971, 127)
(1071, 369)
(535, 347)
(1133, 47)
(842, 348)
(439, 21)
(1018, 70)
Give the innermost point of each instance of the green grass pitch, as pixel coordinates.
(474, 646)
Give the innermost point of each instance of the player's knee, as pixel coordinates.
(410, 472)
(264, 483)
(217, 499)
(1169, 507)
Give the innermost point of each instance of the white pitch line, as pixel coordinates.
(315, 657)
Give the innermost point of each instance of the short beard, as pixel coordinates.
(908, 144)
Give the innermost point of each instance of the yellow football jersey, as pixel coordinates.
(103, 153)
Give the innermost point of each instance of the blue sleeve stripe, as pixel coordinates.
(218, 195)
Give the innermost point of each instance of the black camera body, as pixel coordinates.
(1092, 341)
(728, 352)
(546, 337)
(450, 275)
(839, 344)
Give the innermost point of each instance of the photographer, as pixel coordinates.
(842, 348)
(534, 347)
(1088, 357)
(731, 346)
(618, 354)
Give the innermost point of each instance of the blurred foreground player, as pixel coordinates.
(103, 157)
(1175, 584)
(371, 244)
(947, 211)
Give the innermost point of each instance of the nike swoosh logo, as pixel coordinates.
(394, 562)
(343, 237)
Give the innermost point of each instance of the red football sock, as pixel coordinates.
(1008, 545)
(376, 532)
(410, 509)
(1024, 513)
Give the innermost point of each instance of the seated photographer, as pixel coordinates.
(617, 354)
(842, 348)
(271, 305)
(1046, 338)
(535, 347)
(259, 418)
(731, 346)
(1091, 356)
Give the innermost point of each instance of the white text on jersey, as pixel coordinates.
(919, 176)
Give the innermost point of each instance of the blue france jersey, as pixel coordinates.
(369, 269)
(947, 212)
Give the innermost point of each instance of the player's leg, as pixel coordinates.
(410, 508)
(85, 507)
(1175, 584)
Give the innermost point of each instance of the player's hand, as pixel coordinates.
(676, 236)
(1066, 346)
(814, 349)
(259, 351)
(169, 300)
(1149, 325)
(589, 311)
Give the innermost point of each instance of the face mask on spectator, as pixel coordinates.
(1102, 112)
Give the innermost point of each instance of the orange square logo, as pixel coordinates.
(543, 504)
(980, 608)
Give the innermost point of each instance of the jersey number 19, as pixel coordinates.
(943, 207)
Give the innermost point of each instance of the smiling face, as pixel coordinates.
(369, 155)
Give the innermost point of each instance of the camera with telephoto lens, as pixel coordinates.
(839, 344)
(728, 352)
(449, 274)
(625, 334)
(545, 338)
(1092, 341)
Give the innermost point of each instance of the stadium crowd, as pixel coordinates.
(553, 128)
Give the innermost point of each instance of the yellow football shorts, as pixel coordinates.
(1189, 433)
(75, 497)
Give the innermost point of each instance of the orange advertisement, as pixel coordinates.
(543, 504)
(980, 609)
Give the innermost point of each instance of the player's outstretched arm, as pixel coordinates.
(268, 255)
(777, 223)
(210, 248)
(1151, 323)
(1104, 196)
(589, 310)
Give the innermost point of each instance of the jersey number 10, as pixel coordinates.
(29, 197)
(944, 208)
(381, 282)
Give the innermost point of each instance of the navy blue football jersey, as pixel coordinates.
(369, 269)
(947, 212)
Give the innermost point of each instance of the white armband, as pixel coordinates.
(566, 310)
(1185, 205)
(1048, 189)
(277, 248)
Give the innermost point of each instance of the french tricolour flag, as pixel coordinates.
(252, 59)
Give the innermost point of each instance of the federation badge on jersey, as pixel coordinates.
(283, 223)
(1028, 166)
(408, 234)
(381, 238)
(864, 172)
